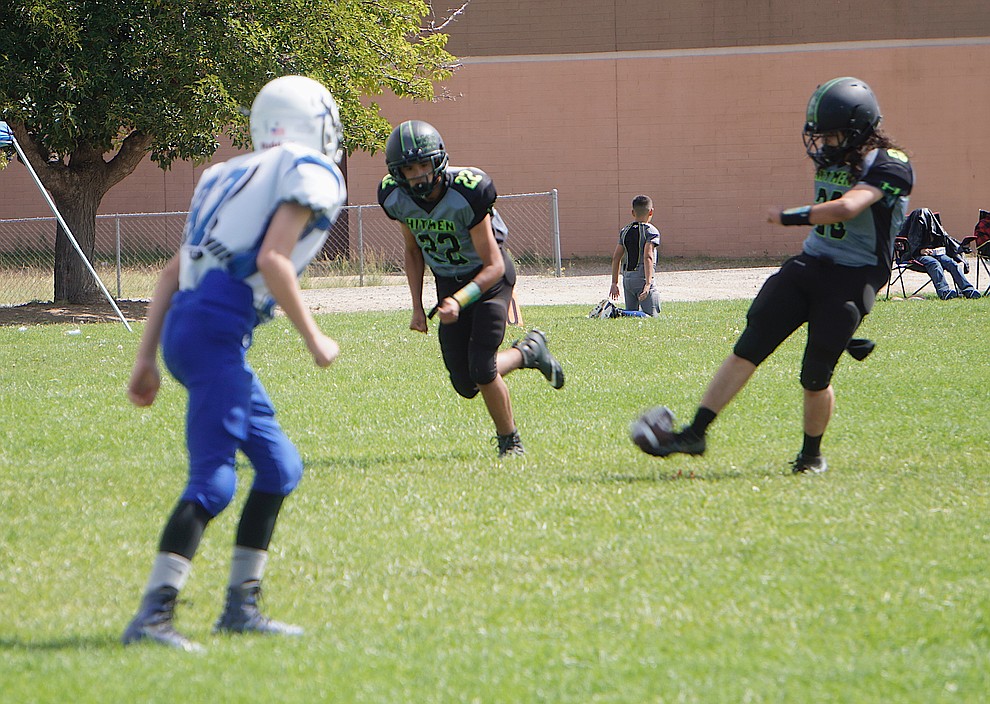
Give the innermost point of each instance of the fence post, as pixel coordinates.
(555, 230)
(116, 221)
(360, 245)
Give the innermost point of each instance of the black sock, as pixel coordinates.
(812, 446)
(258, 520)
(184, 529)
(702, 419)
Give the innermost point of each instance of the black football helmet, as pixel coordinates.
(410, 143)
(845, 105)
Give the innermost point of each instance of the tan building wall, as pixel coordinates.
(699, 105)
(715, 138)
(506, 27)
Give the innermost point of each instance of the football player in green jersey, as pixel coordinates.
(862, 182)
(449, 223)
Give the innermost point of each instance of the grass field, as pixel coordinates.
(425, 570)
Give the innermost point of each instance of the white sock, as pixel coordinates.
(169, 570)
(247, 565)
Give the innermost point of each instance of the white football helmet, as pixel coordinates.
(300, 110)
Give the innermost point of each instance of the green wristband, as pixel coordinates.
(467, 295)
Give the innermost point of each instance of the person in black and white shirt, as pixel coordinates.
(636, 254)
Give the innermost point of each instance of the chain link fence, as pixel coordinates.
(364, 248)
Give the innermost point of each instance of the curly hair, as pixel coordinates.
(878, 139)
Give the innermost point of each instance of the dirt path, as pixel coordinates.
(697, 285)
(393, 294)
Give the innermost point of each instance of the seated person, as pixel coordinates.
(930, 245)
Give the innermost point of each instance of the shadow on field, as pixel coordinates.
(71, 643)
(369, 461)
(659, 476)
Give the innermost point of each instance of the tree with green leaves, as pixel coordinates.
(89, 87)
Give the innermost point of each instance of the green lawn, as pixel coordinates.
(426, 570)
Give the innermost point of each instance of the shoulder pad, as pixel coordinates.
(474, 184)
(889, 170)
(387, 185)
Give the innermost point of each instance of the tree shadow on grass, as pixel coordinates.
(47, 313)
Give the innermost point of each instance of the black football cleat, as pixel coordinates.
(510, 445)
(653, 433)
(241, 614)
(154, 622)
(859, 348)
(808, 465)
(536, 355)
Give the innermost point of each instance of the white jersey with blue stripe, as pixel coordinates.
(234, 203)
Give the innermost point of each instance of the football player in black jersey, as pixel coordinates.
(450, 224)
(862, 182)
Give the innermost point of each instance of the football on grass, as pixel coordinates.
(653, 429)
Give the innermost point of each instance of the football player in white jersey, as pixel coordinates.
(254, 224)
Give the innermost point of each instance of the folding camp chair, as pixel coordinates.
(903, 263)
(901, 266)
(978, 244)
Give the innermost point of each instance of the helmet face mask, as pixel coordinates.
(844, 107)
(299, 110)
(824, 151)
(415, 142)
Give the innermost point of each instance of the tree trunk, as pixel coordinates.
(73, 281)
(77, 187)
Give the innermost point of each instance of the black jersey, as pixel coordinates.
(633, 238)
(867, 239)
(442, 228)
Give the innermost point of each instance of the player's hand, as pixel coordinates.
(324, 350)
(418, 322)
(613, 292)
(144, 383)
(773, 214)
(449, 311)
(644, 293)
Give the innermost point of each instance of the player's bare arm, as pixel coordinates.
(492, 267)
(649, 259)
(145, 377)
(851, 204)
(613, 291)
(275, 264)
(415, 269)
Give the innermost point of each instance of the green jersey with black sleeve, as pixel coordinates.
(443, 228)
(868, 238)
